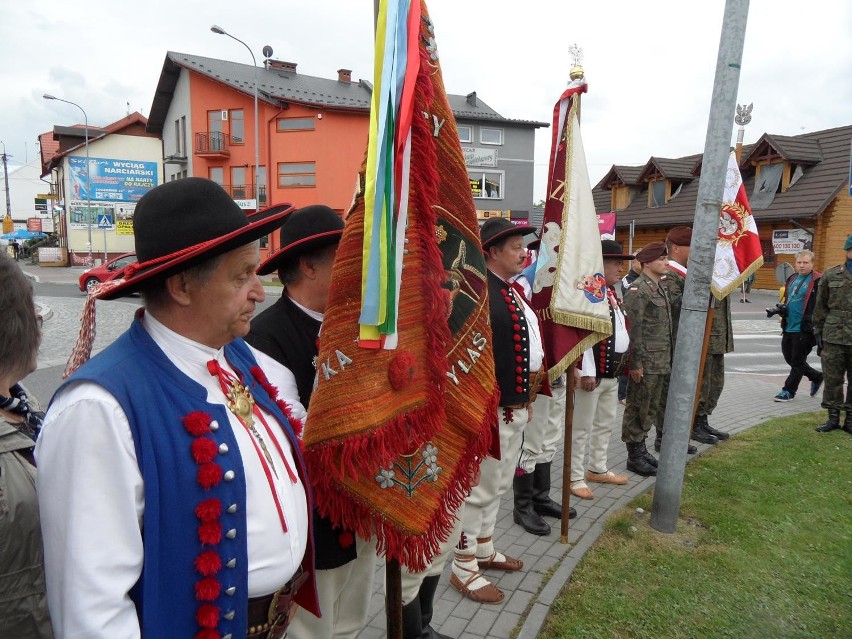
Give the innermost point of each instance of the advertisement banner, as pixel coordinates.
(606, 225)
(791, 241)
(474, 156)
(110, 179)
(124, 218)
(100, 216)
(34, 224)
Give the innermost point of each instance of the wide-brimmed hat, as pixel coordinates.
(305, 230)
(183, 223)
(612, 250)
(497, 229)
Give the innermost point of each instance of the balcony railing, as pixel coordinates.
(247, 192)
(212, 144)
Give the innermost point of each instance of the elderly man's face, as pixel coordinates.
(507, 259)
(223, 307)
(613, 270)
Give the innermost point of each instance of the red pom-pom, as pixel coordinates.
(209, 509)
(197, 423)
(514, 317)
(519, 472)
(209, 475)
(518, 389)
(207, 589)
(519, 379)
(204, 450)
(208, 563)
(519, 359)
(517, 338)
(207, 615)
(208, 633)
(210, 533)
(517, 348)
(346, 539)
(518, 369)
(259, 375)
(402, 369)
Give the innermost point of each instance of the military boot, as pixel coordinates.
(847, 423)
(637, 462)
(699, 434)
(542, 503)
(647, 455)
(833, 422)
(707, 428)
(524, 515)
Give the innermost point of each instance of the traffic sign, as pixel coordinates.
(104, 222)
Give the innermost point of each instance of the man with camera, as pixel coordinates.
(796, 311)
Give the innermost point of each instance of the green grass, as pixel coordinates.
(763, 548)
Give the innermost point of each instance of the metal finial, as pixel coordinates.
(576, 54)
(743, 116)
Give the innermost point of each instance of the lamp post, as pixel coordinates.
(220, 31)
(47, 96)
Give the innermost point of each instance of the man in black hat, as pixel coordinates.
(288, 331)
(596, 399)
(519, 366)
(181, 431)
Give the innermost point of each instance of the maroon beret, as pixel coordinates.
(680, 235)
(651, 252)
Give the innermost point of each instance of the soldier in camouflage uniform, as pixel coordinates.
(677, 246)
(833, 332)
(713, 379)
(650, 330)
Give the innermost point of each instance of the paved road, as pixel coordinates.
(755, 372)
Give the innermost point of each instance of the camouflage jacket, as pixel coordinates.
(674, 284)
(721, 330)
(833, 310)
(650, 326)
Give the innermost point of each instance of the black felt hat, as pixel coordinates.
(305, 230)
(185, 222)
(611, 250)
(497, 229)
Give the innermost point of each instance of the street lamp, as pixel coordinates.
(47, 96)
(219, 30)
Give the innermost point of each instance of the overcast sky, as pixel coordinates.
(650, 65)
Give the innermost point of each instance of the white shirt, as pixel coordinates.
(622, 339)
(91, 497)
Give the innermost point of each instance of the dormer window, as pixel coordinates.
(657, 193)
(766, 183)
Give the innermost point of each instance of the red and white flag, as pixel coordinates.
(738, 251)
(569, 290)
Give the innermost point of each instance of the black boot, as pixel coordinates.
(833, 422)
(648, 456)
(847, 423)
(542, 503)
(636, 461)
(524, 514)
(412, 620)
(707, 428)
(690, 449)
(699, 434)
(426, 595)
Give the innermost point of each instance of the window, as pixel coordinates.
(182, 136)
(486, 184)
(465, 134)
(765, 185)
(238, 127)
(178, 146)
(296, 124)
(217, 174)
(491, 136)
(238, 181)
(657, 193)
(297, 174)
(214, 129)
(261, 187)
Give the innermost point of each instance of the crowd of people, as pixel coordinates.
(173, 497)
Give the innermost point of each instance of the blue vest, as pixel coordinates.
(172, 595)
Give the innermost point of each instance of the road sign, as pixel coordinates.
(104, 222)
(47, 196)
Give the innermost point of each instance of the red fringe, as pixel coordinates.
(208, 563)
(207, 589)
(197, 423)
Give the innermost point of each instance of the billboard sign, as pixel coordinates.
(110, 179)
(791, 241)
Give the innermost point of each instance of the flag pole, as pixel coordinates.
(570, 384)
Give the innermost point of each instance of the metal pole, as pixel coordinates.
(91, 262)
(6, 182)
(219, 30)
(687, 356)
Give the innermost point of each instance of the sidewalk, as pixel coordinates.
(746, 401)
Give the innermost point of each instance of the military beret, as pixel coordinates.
(680, 235)
(848, 244)
(651, 252)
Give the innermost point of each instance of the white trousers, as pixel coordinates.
(344, 598)
(411, 581)
(594, 419)
(495, 478)
(545, 430)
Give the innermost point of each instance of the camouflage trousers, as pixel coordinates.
(836, 365)
(643, 402)
(712, 383)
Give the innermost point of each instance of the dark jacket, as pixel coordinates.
(289, 336)
(511, 355)
(810, 302)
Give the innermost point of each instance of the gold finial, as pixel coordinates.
(576, 54)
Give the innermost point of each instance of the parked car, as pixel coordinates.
(111, 270)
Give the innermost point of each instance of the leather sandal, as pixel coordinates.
(488, 594)
(509, 565)
(583, 492)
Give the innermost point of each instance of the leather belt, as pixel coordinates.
(268, 616)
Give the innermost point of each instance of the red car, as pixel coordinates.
(113, 269)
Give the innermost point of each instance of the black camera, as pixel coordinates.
(779, 309)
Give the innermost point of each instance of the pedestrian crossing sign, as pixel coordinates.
(104, 222)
